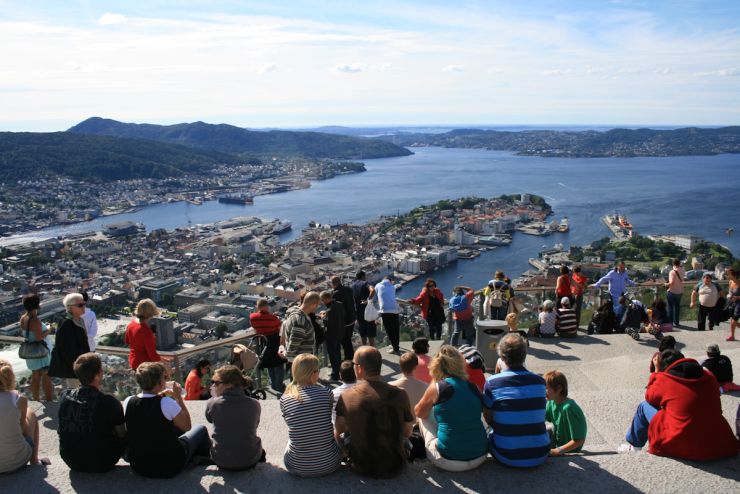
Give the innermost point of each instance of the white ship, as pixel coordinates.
(564, 225)
(282, 227)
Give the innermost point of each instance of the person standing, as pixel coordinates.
(343, 294)
(709, 294)
(431, 301)
(139, 335)
(70, 342)
(267, 324)
(499, 295)
(576, 289)
(91, 424)
(733, 298)
(361, 293)
(386, 292)
(618, 279)
(334, 328)
(91, 322)
(297, 334)
(674, 290)
(563, 286)
(34, 330)
(461, 305)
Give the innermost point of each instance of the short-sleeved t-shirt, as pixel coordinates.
(568, 420)
(422, 370)
(87, 418)
(708, 294)
(375, 414)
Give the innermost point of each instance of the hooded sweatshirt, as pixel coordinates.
(689, 422)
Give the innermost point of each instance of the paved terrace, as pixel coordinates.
(607, 376)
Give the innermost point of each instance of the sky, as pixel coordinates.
(369, 63)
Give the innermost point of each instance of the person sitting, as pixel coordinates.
(420, 346)
(306, 408)
(194, 389)
(547, 320)
(474, 365)
(515, 401)
(512, 321)
(235, 418)
(267, 324)
(667, 343)
(19, 427)
(619, 311)
(454, 436)
(682, 413)
(567, 418)
(413, 386)
(140, 336)
(348, 378)
(566, 319)
(91, 423)
(659, 320)
(70, 341)
(374, 420)
(161, 440)
(721, 368)
(634, 317)
(604, 320)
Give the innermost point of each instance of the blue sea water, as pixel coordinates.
(698, 195)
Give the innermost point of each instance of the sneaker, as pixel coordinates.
(729, 338)
(627, 448)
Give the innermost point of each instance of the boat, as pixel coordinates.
(495, 240)
(624, 223)
(564, 225)
(282, 227)
(236, 199)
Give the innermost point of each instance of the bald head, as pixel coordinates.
(369, 361)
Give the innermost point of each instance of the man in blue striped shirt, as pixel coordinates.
(515, 409)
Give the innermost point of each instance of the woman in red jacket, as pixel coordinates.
(682, 414)
(139, 335)
(432, 302)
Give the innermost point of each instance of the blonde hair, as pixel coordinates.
(302, 369)
(7, 376)
(312, 298)
(448, 362)
(146, 309)
(511, 318)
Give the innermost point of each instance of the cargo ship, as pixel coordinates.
(236, 199)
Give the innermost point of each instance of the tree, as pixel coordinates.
(220, 330)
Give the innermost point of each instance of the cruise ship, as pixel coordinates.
(495, 240)
(564, 225)
(236, 199)
(282, 227)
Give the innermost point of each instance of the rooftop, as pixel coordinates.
(607, 376)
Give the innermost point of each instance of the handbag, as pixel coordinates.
(371, 312)
(33, 349)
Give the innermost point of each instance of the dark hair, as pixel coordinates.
(677, 262)
(408, 362)
(347, 372)
(667, 343)
(667, 357)
(199, 366)
(730, 271)
(622, 300)
(420, 346)
(85, 296)
(86, 367)
(499, 275)
(31, 302)
(370, 360)
(431, 282)
(150, 374)
(659, 304)
(564, 270)
(360, 275)
(557, 380)
(607, 305)
(513, 349)
(577, 269)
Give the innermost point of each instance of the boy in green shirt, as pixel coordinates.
(565, 415)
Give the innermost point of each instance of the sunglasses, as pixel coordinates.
(79, 306)
(216, 383)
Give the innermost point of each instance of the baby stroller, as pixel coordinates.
(633, 318)
(247, 358)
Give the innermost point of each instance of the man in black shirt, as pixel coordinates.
(91, 424)
(360, 294)
(344, 295)
(721, 366)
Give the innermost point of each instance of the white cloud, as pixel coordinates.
(270, 67)
(453, 68)
(556, 72)
(348, 68)
(728, 72)
(110, 19)
(663, 71)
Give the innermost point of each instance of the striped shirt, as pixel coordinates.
(297, 329)
(312, 450)
(567, 322)
(516, 398)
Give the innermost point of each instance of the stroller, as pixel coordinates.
(247, 358)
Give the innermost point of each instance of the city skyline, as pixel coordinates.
(255, 64)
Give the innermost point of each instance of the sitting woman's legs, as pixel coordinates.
(428, 428)
(31, 430)
(637, 434)
(196, 442)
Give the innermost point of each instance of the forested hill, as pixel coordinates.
(231, 139)
(586, 144)
(99, 158)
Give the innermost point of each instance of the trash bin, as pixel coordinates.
(487, 335)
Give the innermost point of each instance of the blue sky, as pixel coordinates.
(310, 63)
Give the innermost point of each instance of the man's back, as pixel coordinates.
(414, 388)
(87, 419)
(375, 414)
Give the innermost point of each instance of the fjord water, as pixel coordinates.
(698, 195)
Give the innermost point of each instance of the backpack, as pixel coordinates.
(459, 303)
(498, 296)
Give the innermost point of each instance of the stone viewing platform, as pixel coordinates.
(607, 376)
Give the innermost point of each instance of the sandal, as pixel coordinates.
(729, 338)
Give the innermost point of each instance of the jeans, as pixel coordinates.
(435, 330)
(499, 313)
(674, 307)
(391, 325)
(637, 434)
(277, 377)
(467, 328)
(578, 306)
(704, 314)
(334, 349)
(196, 442)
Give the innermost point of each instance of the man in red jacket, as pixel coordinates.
(682, 414)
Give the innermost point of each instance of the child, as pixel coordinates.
(619, 311)
(420, 346)
(721, 366)
(348, 378)
(512, 320)
(569, 423)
